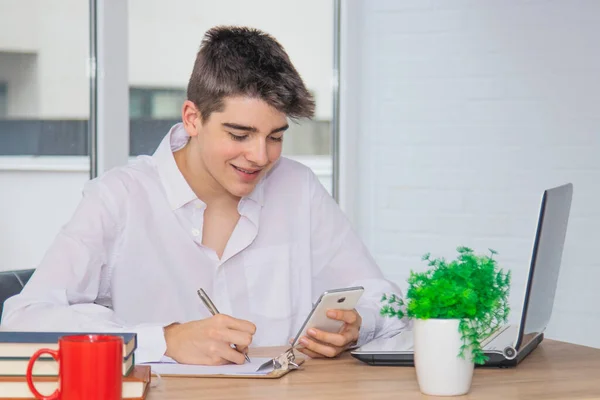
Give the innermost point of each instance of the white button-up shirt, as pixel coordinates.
(131, 258)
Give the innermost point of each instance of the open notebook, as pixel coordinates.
(258, 367)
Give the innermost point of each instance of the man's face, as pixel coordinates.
(240, 144)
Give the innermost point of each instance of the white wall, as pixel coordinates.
(33, 207)
(468, 110)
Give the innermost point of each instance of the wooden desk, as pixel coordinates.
(555, 370)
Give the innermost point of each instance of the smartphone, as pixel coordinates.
(337, 299)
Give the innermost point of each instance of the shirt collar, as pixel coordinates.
(179, 193)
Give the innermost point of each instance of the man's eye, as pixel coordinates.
(239, 138)
(276, 139)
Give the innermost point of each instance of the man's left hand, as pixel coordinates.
(319, 343)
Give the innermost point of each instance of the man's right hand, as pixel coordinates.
(208, 341)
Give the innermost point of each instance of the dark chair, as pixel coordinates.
(11, 283)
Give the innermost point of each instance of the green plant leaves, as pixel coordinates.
(471, 288)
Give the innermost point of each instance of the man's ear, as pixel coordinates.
(191, 117)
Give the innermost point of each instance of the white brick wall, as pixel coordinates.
(463, 112)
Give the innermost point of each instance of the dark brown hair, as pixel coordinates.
(234, 61)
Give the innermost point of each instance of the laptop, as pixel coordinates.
(510, 344)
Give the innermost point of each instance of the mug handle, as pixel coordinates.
(32, 361)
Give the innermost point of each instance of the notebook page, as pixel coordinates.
(168, 366)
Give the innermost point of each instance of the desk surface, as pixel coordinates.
(555, 370)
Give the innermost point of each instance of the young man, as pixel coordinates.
(216, 208)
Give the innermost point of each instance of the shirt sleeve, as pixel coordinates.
(64, 291)
(340, 259)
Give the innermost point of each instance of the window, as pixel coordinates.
(304, 28)
(44, 107)
(45, 81)
(44, 112)
(3, 99)
(155, 103)
(152, 112)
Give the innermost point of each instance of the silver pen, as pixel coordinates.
(213, 310)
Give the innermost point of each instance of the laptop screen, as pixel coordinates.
(545, 262)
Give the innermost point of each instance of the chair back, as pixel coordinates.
(11, 283)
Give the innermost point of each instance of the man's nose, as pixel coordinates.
(257, 154)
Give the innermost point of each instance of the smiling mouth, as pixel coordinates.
(247, 171)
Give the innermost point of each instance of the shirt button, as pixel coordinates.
(196, 232)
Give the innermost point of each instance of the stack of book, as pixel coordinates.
(16, 348)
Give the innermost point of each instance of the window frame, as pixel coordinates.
(109, 119)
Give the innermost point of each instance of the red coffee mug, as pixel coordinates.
(89, 367)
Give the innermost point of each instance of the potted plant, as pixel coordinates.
(455, 305)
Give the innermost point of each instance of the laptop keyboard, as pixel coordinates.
(506, 337)
(403, 342)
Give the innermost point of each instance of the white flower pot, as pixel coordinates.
(440, 371)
